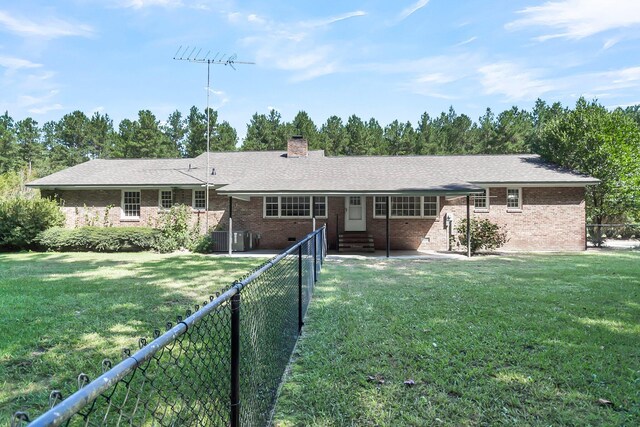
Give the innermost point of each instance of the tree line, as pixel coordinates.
(587, 138)
(76, 137)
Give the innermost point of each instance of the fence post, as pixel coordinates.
(315, 257)
(323, 244)
(300, 322)
(235, 360)
(468, 227)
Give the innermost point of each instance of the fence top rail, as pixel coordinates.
(64, 410)
(267, 265)
(71, 405)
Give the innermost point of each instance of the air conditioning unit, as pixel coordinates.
(242, 241)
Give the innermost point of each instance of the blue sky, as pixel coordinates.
(382, 59)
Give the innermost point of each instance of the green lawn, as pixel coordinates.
(518, 340)
(62, 314)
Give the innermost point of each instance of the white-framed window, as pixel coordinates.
(165, 199)
(380, 207)
(272, 206)
(430, 206)
(294, 206)
(407, 206)
(321, 206)
(481, 201)
(199, 199)
(514, 199)
(131, 204)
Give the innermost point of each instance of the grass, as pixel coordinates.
(519, 340)
(62, 314)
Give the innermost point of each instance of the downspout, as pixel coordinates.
(230, 225)
(388, 236)
(313, 213)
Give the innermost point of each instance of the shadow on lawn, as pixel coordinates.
(519, 339)
(63, 313)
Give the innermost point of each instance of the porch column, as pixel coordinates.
(313, 213)
(387, 220)
(468, 227)
(230, 225)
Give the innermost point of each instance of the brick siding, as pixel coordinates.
(551, 219)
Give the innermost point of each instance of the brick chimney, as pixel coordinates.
(297, 147)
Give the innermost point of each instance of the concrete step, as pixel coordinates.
(355, 242)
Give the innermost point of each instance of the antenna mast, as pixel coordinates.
(190, 54)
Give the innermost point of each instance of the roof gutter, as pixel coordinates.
(349, 192)
(116, 187)
(584, 183)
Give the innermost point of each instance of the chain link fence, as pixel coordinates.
(222, 365)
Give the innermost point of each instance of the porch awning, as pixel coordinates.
(247, 189)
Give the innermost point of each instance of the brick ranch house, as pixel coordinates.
(278, 196)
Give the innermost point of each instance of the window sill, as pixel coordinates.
(293, 217)
(407, 217)
(130, 219)
(481, 210)
(514, 210)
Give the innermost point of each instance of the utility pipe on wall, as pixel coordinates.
(230, 225)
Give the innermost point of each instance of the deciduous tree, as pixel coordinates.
(603, 144)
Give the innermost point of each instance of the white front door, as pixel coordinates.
(355, 217)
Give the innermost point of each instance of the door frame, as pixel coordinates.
(355, 225)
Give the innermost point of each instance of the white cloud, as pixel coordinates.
(410, 10)
(439, 78)
(49, 27)
(334, 19)
(619, 79)
(44, 109)
(29, 89)
(630, 104)
(610, 43)
(220, 98)
(442, 76)
(513, 81)
(467, 41)
(140, 4)
(317, 71)
(234, 17)
(11, 63)
(253, 18)
(296, 47)
(576, 19)
(40, 104)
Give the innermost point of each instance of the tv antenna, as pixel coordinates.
(195, 54)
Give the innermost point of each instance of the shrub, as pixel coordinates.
(175, 232)
(99, 239)
(203, 244)
(21, 220)
(484, 235)
(12, 184)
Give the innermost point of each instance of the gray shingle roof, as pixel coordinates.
(273, 172)
(129, 172)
